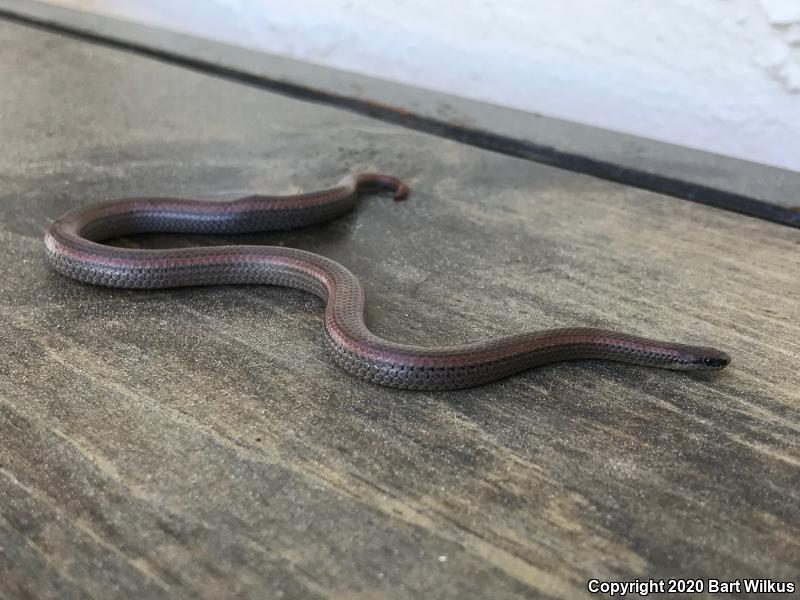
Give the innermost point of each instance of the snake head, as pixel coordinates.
(705, 359)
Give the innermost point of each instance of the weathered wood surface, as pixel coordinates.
(200, 443)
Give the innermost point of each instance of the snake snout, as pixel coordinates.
(710, 359)
(717, 362)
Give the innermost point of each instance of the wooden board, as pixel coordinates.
(200, 443)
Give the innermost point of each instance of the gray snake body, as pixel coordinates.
(74, 249)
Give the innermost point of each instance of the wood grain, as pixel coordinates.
(200, 443)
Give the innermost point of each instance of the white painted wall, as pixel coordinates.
(719, 75)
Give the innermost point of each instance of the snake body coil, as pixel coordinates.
(73, 249)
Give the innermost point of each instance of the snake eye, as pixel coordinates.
(716, 362)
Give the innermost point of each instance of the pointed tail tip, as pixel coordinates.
(386, 182)
(401, 191)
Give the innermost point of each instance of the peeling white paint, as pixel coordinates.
(782, 12)
(719, 75)
(793, 34)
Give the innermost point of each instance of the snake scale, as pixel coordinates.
(74, 247)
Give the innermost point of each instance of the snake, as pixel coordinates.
(75, 247)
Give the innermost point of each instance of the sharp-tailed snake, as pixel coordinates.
(74, 249)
